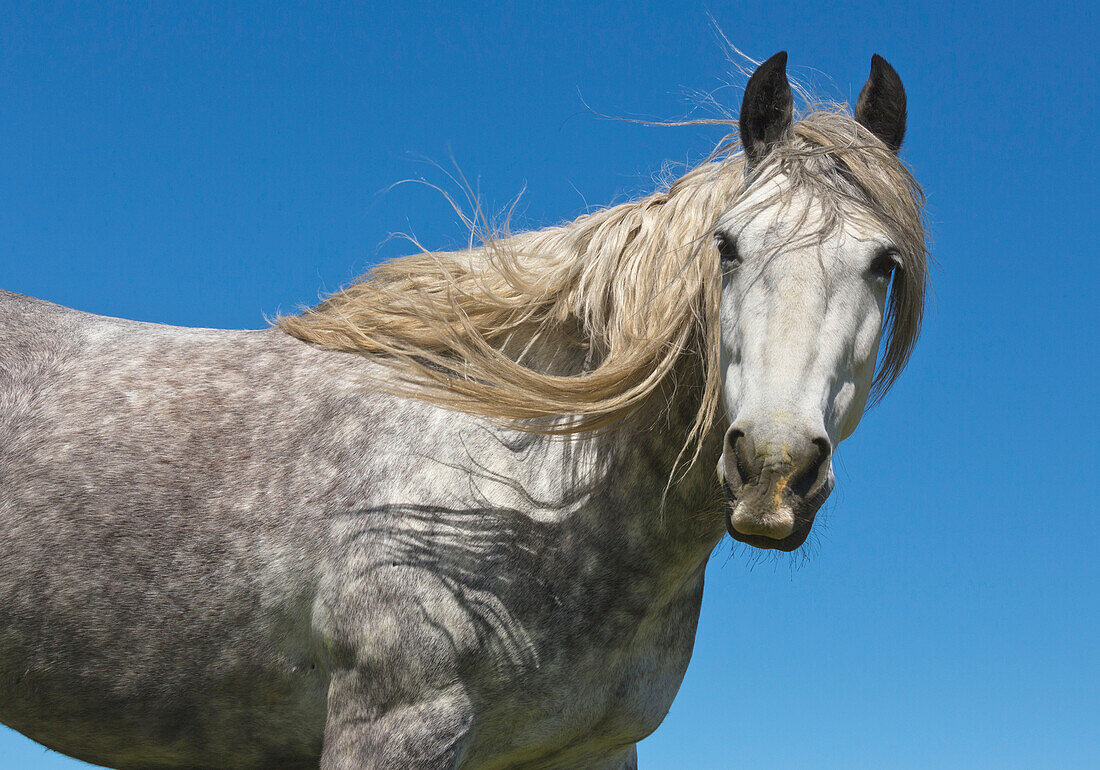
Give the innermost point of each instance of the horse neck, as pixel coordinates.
(677, 523)
(683, 518)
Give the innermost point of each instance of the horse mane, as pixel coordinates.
(633, 288)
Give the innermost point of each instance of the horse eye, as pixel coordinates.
(727, 251)
(885, 263)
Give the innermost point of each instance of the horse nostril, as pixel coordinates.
(733, 435)
(810, 475)
(737, 447)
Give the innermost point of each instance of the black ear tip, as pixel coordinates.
(771, 71)
(879, 66)
(776, 61)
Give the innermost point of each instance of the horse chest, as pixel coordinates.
(643, 671)
(638, 689)
(609, 684)
(564, 614)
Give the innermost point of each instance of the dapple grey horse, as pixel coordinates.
(254, 549)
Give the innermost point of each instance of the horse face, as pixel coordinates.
(801, 319)
(804, 293)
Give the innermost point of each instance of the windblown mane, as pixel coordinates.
(635, 287)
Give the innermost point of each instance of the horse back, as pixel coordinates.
(155, 582)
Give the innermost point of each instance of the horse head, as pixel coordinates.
(808, 259)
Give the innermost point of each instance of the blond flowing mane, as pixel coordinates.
(632, 289)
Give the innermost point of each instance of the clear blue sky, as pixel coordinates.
(208, 166)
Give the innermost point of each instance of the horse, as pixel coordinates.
(457, 514)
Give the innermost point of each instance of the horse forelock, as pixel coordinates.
(632, 289)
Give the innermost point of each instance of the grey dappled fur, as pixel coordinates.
(231, 549)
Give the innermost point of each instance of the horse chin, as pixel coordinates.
(789, 543)
(792, 519)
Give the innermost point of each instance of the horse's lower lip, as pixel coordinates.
(791, 542)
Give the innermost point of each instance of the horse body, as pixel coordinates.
(203, 532)
(451, 517)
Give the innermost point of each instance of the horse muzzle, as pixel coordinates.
(774, 489)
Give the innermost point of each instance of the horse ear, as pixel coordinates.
(881, 104)
(767, 108)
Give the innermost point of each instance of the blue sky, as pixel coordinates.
(212, 165)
